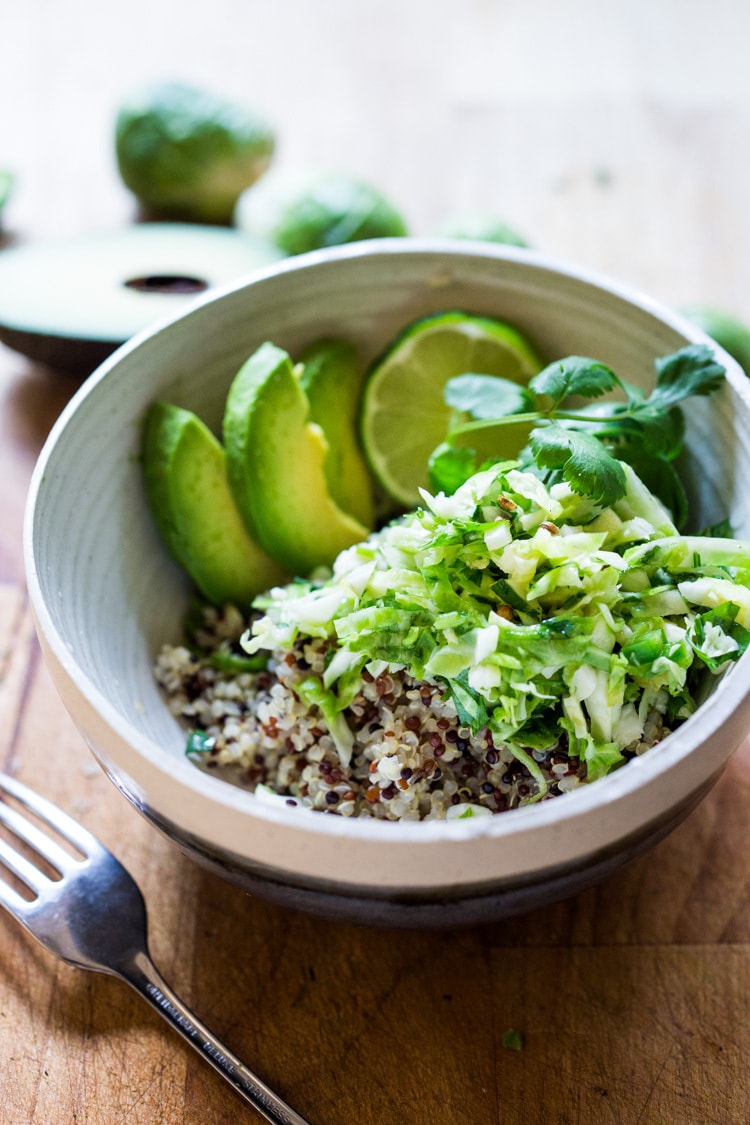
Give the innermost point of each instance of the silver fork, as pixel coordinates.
(94, 917)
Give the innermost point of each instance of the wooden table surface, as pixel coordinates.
(615, 136)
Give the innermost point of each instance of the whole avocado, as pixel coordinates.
(187, 154)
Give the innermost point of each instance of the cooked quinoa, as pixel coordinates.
(497, 647)
(411, 760)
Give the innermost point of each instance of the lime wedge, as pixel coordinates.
(403, 414)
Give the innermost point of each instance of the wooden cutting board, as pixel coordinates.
(615, 136)
(632, 999)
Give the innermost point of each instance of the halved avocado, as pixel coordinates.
(276, 466)
(332, 380)
(188, 492)
(70, 302)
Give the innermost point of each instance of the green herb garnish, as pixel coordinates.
(582, 445)
(512, 1040)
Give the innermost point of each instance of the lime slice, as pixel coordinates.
(403, 413)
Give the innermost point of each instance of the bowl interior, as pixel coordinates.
(106, 593)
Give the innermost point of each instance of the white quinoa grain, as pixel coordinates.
(411, 758)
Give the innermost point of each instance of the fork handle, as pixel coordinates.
(142, 975)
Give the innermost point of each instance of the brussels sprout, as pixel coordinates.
(728, 332)
(484, 228)
(6, 185)
(327, 210)
(187, 154)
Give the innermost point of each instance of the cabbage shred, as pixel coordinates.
(536, 609)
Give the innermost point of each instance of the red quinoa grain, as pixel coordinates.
(263, 733)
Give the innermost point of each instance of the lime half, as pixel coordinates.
(403, 413)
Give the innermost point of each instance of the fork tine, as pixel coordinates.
(40, 842)
(25, 871)
(13, 902)
(95, 917)
(52, 815)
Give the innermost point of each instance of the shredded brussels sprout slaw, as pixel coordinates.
(535, 608)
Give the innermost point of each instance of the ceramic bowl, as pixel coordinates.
(106, 596)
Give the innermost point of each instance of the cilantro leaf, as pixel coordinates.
(574, 375)
(450, 466)
(487, 396)
(663, 433)
(585, 444)
(693, 370)
(586, 465)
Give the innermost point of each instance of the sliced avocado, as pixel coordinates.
(331, 380)
(276, 466)
(188, 493)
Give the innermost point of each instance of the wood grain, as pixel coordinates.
(380, 1027)
(644, 1034)
(615, 136)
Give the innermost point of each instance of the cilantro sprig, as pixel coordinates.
(582, 444)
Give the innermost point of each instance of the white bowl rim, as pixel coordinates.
(205, 787)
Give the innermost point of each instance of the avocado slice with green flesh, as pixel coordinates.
(188, 493)
(331, 380)
(276, 466)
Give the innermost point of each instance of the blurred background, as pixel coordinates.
(614, 135)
